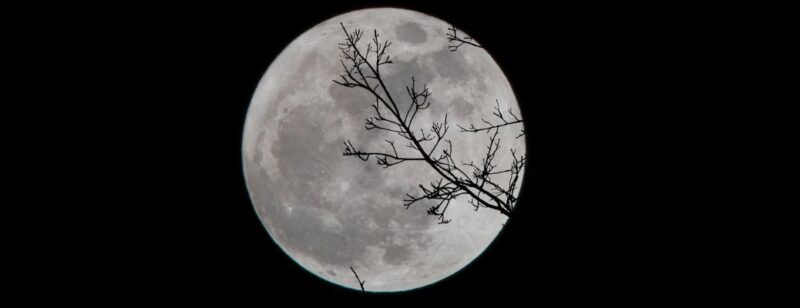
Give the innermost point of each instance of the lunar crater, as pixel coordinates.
(411, 32)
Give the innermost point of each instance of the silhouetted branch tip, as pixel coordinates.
(505, 120)
(360, 282)
(456, 41)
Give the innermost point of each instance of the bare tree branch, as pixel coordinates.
(456, 41)
(384, 159)
(504, 121)
(360, 282)
(483, 183)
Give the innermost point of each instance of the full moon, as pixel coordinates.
(329, 212)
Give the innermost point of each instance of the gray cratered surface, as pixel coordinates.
(329, 212)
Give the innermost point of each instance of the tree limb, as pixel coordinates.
(362, 70)
(504, 121)
(456, 41)
(360, 282)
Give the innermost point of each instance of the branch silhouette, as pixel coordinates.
(360, 282)
(489, 126)
(456, 41)
(481, 182)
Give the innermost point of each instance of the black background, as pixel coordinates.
(563, 62)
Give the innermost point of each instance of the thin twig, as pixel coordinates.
(504, 121)
(360, 282)
(456, 41)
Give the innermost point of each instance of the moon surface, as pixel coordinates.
(329, 212)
